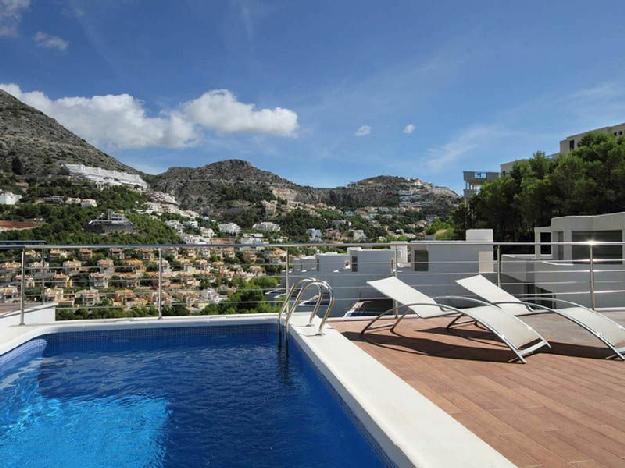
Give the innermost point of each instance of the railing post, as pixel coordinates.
(160, 284)
(499, 266)
(287, 282)
(395, 275)
(23, 283)
(43, 276)
(591, 271)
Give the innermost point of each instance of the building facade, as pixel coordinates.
(431, 267)
(571, 142)
(473, 180)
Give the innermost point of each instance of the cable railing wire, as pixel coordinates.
(38, 272)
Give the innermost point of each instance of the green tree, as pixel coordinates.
(588, 180)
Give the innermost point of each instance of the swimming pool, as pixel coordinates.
(180, 396)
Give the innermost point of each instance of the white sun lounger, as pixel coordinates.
(607, 330)
(518, 336)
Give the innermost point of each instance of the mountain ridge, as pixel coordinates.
(43, 145)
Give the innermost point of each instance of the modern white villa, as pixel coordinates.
(563, 271)
(431, 267)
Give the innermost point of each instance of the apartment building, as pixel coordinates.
(473, 181)
(571, 142)
(106, 177)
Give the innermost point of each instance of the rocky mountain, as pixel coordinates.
(235, 185)
(42, 144)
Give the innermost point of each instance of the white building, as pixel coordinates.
(191, 223)
(162, 197)
(231, 229)
(105, 177)
(88, 203)
(9, 198)
(193, 239)
(253, 239)
(207, 232)
(562, 271)
(359, 235)
(266, 226)
(174, 224)
(432, 268)
(314, 235)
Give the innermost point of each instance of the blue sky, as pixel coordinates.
(321, 92)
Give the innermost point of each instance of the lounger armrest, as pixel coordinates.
(529, 305)
(560, 301)
(443, 307)
(468, 299)
(396, 309)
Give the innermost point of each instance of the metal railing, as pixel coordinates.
(163, 279)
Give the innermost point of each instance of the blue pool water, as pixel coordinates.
(173, 397)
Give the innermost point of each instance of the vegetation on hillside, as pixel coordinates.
(66, 224)
(587, 181)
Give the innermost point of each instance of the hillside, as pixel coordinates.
(233, 185)
(33, 145)
(41, 143)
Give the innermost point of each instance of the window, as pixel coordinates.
(421, 260)
(354, 263)
(545, 237)
(571, 144)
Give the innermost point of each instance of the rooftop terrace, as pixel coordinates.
(565, 407)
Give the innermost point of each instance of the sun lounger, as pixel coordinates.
(518, 336)
(604, 328)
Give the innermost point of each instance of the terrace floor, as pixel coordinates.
(565, 407)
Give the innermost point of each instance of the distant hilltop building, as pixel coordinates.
(110, 222)
(229, 228)
(162, 197)
(9, 198)
(266, 226)
(314, 235)
(105, 177)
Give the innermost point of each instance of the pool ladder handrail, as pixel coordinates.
(303, 285)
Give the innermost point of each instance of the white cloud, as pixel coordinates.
(462, 144)
(10, 15)
(410, 128)
(50, 42)
(219, 110)
(121, 120)
(363, 130)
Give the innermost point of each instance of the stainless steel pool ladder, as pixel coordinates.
(303, 285)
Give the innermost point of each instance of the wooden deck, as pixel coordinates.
(565, 407)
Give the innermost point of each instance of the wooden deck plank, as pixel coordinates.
(563, 408)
